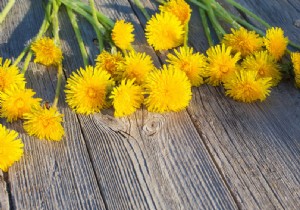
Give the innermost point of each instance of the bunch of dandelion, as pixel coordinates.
(11, 148)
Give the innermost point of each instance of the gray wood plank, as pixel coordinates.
(4, 198)
(256, 146)
(146, 161)
(51, 175)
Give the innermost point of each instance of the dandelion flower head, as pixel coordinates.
(168, 90)
(221, 64)
(136, 66)
(276, 42)
(122, 35)
(44, 123)
(296, 64)
(243, 41)
(86, 90)
(46, 52)
(265, 66)
(127, 97)
(109, 62)
(164, 31)
(193, 64)
(10, 76)
(11, 148)
(245, 86)
(15, 102)
(179, 8)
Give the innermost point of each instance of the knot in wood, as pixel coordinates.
(153, 125)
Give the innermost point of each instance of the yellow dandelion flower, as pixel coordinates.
(243, 41)
(15, 102)
(86, 90)
(10, 76)
(193, 64)
(164, 31)
(168, 90)
(44, 123)
(221, 64)
(122, 35)
(265, 66)
(46, 52)
(109, 62)
(136, 66)
(179, 8)
(245, 86)
(296, 64)
(11, 148)
(275, 42)
(127, 97)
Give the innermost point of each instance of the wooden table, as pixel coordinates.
(217, 154)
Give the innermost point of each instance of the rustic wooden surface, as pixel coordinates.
(218, 154)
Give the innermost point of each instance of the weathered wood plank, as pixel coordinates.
(256, 145)
(4, 198)
(146, 160)
(51, 175)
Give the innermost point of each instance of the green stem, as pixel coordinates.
(215, 23)
(161, 1)
(55, 23)
(98, 34)
(205, 26)
(248, 12)
(199, 4)
(248, 25)
(82, 12)
(186, 35)
(26, 62)
(81, 7)
(44, 27)
(139, 4)
(58, 85)
(78, 36)
(6, 10)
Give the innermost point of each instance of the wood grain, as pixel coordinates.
(4, 198)
(51, 175)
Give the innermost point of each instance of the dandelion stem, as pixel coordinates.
(186, 35)
(6, 10)
(26, 62)
(78, 36)
(215, 23)
(55, 23)
(81, 7)
(248, 12)
(58, 85)
(98, 34)
(139, 4)
(205, 26)
(44, 27)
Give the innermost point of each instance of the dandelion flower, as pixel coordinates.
(243, 41)
(179, 8)
(136, 66)
(245, 86)
(264, 64)
(15, 102)
(10, 76)
(109, 62)
(221, 64)
(11, 148)
(46, 52)
(164, 31)
(127, 97)
(44, 123)
(86, 90)
(168, 90)
(122, 35)
(296, 63)
(193, 64)
(276, 42)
